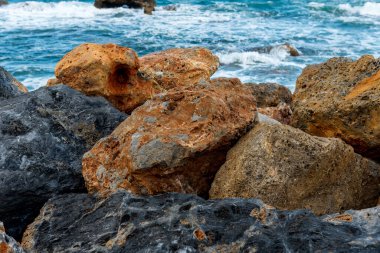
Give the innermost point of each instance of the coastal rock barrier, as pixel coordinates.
(147, 5)
(185, 172)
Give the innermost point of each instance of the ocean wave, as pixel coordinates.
(276, 56)
(368, 9)
(33, 83)
(316, 5)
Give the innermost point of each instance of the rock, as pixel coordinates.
(290, 169)
(3, 2)
(105, 70)
(9, 86)
(43, 136)
(175, 222)
(281, 113)
(341, 98)
(7, 243)
(173, 143)
(171, 7)
(148, 5)
(273, 100)
(179, 66)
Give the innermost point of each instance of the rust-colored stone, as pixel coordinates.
(179, 66)
(173, 143)
(105, 70)
(341, 98)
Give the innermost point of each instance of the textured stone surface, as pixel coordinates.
(7, 243)
(273, 100)
(341, 98)
(290, 169)
(174, 142)
(179, 66)
(184, 223)
(105, 70)
(9, 86)
(43, 135)
(146, 4)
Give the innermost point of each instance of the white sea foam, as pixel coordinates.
(368, 9)
(33, 83)
(316, 5)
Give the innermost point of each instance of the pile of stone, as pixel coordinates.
(121, 153)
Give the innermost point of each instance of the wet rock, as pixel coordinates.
(186, 223)
(9, 86)
(173, 143)
(7, 243)
(3, 2)
(273, 100)
(43, 136)
(290, 169)
(105, 70)
(179, 66)
(171, 7)
(292, 50)
(341, 98)
(147, 5)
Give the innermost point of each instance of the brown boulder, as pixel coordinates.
(290, 169)
(341, 98)
(179, 66)
(105, 70)
(173, 143)
(273, 100)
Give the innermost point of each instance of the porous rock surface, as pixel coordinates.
(341, 98)
(174, 142)
(7, 243)
(176, 222)
(43, 136)
(9, 86)
(179, 66)
(290, 169)
(273, 100)
(106, 70)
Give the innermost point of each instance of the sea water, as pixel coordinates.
(35, 35)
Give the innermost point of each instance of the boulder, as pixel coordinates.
(292, 50)
(3, 2)
(341, 98)
(43, 136)
(176, 222)
(273, 100)
(9, 86)
(7, 243)
(290, 169)
(105, 70)
(179, 66)
(147, 5)
(173, 143)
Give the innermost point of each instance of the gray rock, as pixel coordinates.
(7, 243)
(176, 222)
(43, 136)
(9, 86)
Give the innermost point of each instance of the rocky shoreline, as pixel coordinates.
(121, 153)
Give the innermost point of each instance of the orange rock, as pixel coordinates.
(179, 66)
(341, 98)
(173, 143)
(281, 113)
(105, 70)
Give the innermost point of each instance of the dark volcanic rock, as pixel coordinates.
(43, 136)
(7, 243)
(148, 5)
(185, 223)
(9, 86)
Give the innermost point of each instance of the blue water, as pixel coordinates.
(34, 35)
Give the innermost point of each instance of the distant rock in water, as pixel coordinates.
(170, 7)
(7, 243)
(341, 98)
(186, 223)
(3, 2)
(9, 86)
(268, 49)
(43, 136)
(273, 100)
(147, 5)
(174, 142)
(290, 169)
